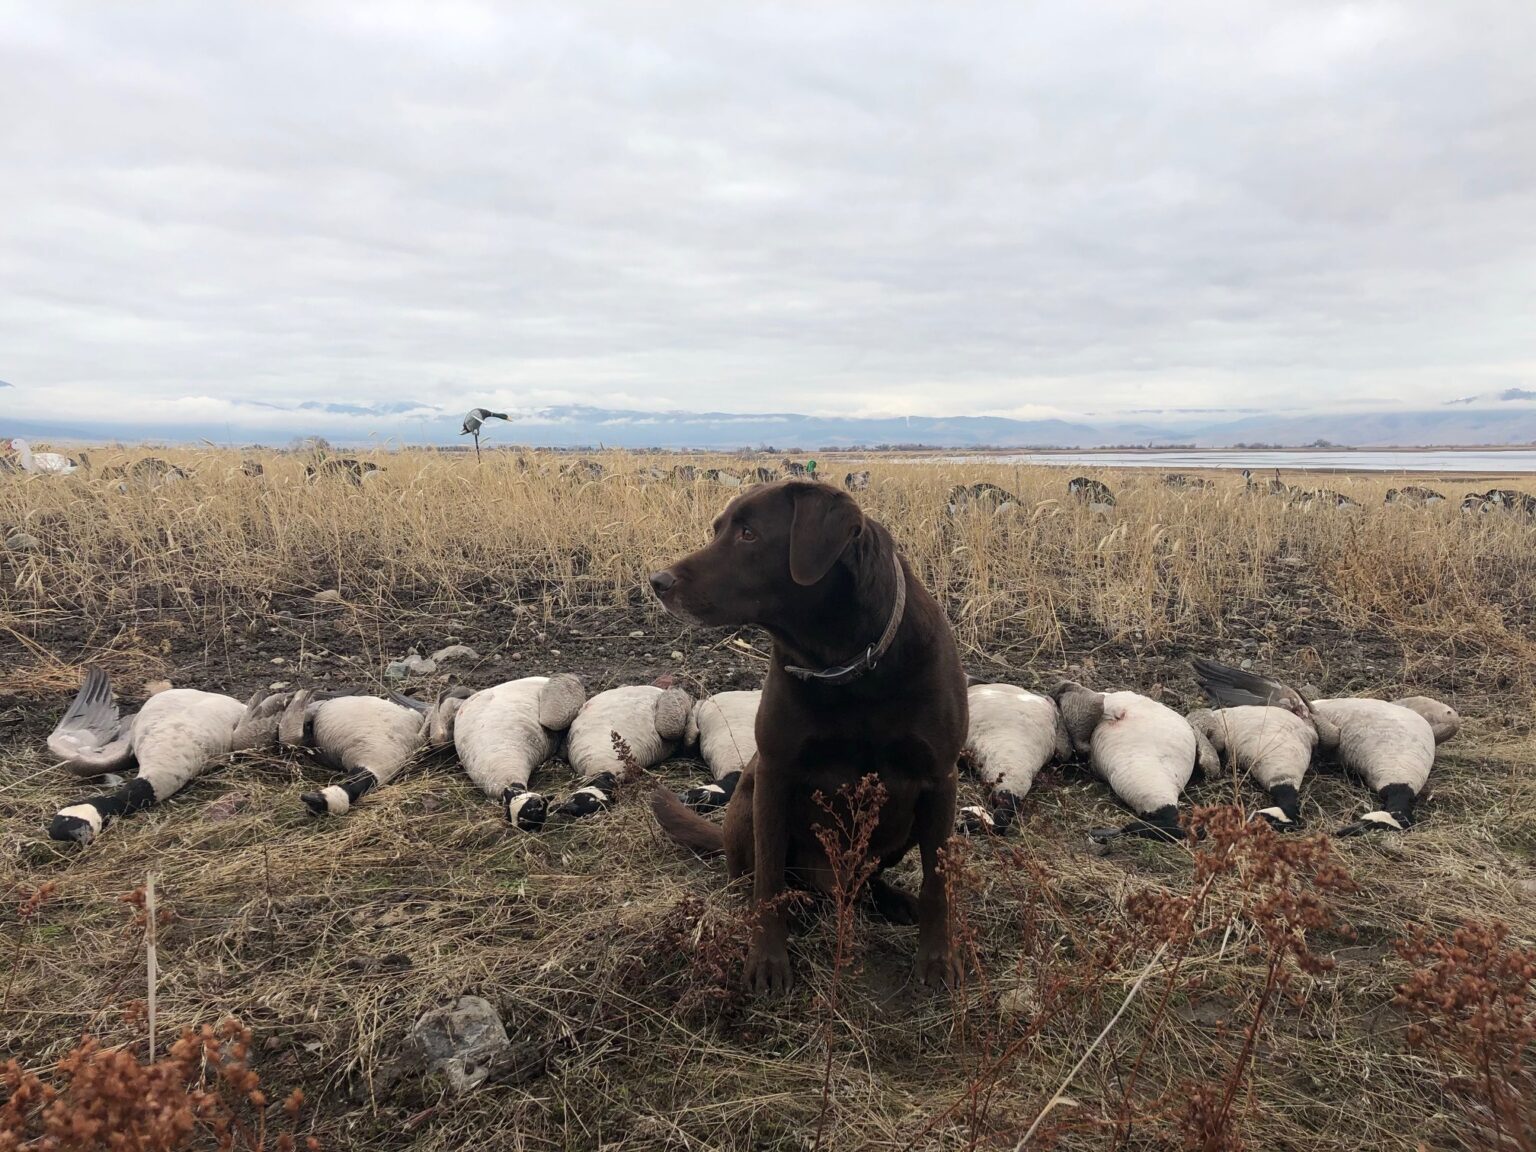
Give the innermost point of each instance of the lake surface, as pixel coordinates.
(1408, 460)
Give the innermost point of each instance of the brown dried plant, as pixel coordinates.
(1470, 997)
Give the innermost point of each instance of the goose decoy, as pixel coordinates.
(173, 737)
(651, 720)
(1144, 750)
(42, 463)
(1389, 744)
(723, 726)
(368, 738)
(1414, 494)
(503, 735)
(1094, 493)
(477, 417)
(473, 421)
(1013, 734)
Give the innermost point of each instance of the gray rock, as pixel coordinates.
(455, 652)
(464, 1043)
(22, 542)
(412, 664)
(328, 596)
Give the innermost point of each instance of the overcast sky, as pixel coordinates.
(831, 208)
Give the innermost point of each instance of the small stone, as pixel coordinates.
(328, 596)
(1247, 664)
(455, 652)
(554, 651)
(515, 656)
(22, 542)
(676, 655)
(646, 656)
(155, 687)
(278, 660)
(277, 685)
(637, 635)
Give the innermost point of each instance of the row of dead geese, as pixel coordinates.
(1143, 750)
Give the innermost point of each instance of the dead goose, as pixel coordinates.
(1145, 751)
(1274, 742)
(1414, 494)
(1013, 734)
(723, 727)
(503, 735)
(174, 737)
(1389, 744)
(856, 481)
(369, 739)
(650, 720)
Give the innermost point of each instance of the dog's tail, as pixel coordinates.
(686, 826)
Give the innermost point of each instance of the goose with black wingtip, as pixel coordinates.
(174, 737)
(368, 738)
(722, 726)
(1144, 750)
(651, 719)
(1272, 739)
(1390, 744)
(504, 734)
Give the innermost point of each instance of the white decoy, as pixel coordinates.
(723, 727)
(650, 720)
(1013, 734)
(504, 734)
(1389, 744)
(174, 737)
(1145, 751)
(368, 738)
(42, 463)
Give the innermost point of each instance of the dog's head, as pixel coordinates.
(773, 546)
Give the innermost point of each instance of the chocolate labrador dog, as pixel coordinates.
(865, 678)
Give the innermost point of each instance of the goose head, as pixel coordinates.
(1443, 719)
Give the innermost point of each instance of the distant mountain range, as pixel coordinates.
(1502, 418)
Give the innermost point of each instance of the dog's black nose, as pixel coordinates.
(661, 582)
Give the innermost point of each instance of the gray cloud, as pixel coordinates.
(847, 208)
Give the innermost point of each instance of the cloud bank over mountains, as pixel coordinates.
(1505, 418)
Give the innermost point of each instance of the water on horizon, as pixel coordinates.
(1409, 460)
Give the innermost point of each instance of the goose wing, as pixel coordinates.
(1230, 687)
(90, 737)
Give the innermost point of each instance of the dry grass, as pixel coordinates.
(597, 940)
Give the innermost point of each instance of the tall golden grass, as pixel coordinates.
(1036, 582)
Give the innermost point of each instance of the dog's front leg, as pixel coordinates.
(768, 956)
(935, 816)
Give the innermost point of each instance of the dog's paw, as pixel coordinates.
(768, 971)
(937, 967)
(893, 904)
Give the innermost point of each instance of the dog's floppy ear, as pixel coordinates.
(826, 522)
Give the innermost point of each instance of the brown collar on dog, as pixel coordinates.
(844, 673)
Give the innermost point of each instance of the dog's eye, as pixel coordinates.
(745, 534)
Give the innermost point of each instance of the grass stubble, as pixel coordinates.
(1266, 1013)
